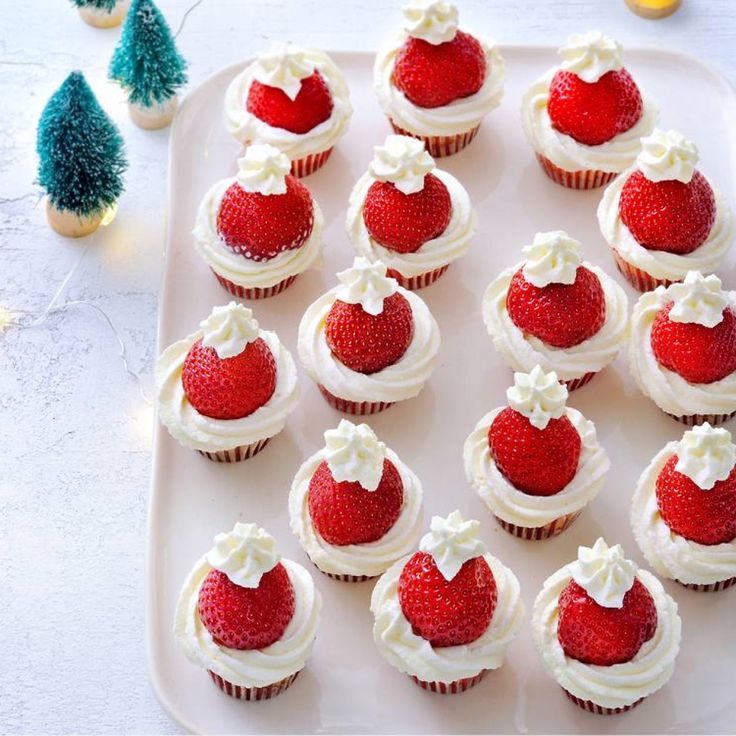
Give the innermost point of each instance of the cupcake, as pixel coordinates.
(663, 218)
(684, 510)
(294, 99)
(682, 350)
(248, 616)
(260, 229)
(556, 311)
(226, 389)
(354, 506)
(585, 117)
(445, 615)
(408, 214)
(607, 632)
(369, 342)
(436, 82)
(536, 462)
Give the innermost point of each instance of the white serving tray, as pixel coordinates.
(346, 686)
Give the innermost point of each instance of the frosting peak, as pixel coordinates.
(229, 329)
(698, 299)
(452, 542)
(590, 55)
(245, 554)
(366, 284)
(434, 21)
(354, 454)
(706, 455)
(537, 395)
(283, 66)
(604, 573)
(667, 155)
(553, 258)
(403, 161)
(263, 169)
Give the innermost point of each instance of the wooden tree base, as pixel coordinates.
(103, 19)
(70, 224)
(155, 116)
(653, 10)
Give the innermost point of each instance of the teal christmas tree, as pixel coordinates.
(107, 5)
(81, 155)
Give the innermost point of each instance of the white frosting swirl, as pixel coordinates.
(245, 554)
(698, 300)
(354, 454)
(283, 66)
(618, 685)
(667, 155)
(403, 161)
(250, 667)
(247, 128)
(659, 263)
(198, 432)
(539, 396)
(522, 352)
(459, 116)
(564, 151)
(671, 555)
(453, 243)
(263, 169)
(402, 380)
(669, 390)
(451, 542)
(523, 509)
(706, 455)
(229, 329)
(415, 656)
(553, 258)
(434, 21)
(603, 573)
(371, 558)
(366, 283)
(243, 271)
(590, 55)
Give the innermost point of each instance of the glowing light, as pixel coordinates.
(109, 215)
(6, 318)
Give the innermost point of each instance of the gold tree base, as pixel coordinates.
(103, 19)
(70, 224)
(654, 9)
(155, 116)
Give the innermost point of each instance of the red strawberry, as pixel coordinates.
(447, 613)
(260, 226)
(594, 113)
(594, 634)
(540, 462)
(346, 513)
(404, 222)
(246, 618)
(229, 388)
(560, 315)
(312, 106)
(434, 75)
(697, 353)
(366, 343)
(706, 517)
(668, 215)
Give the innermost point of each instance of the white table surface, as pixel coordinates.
(74, 424)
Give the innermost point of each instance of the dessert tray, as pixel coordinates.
(346, 686)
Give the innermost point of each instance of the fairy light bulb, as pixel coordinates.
(109, 215)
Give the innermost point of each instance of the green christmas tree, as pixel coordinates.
(97, 4)
(146, 62)
(81, 153)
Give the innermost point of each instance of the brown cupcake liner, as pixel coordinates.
(440, 145)
(709, 587)
(583, 179)
(639, 279)
(692, 419)
(344, 578)
(252, 693)
(555, 527)
(242, 452)
(307, 165)
(574, 383)
(592, 707)
(412, 283)
(255, 292)
(450, 688)
(359, 408)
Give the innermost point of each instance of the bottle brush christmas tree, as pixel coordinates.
(148, 66)
(102, 13)
(81, 158)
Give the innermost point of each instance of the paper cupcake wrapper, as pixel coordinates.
(309, 164)
(592, 707)
(252, 693)
(354, 407)
(639, 279)
(583, 179)
(710, 587)
(255, 292)
(692, 419)
(412, 283)
(243, 452)
(555, 527)
(440, 145)
(345, 578)
(574, 383)
(450, 688)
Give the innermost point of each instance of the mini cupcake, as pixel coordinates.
(663, 218)
(445, 615)
(607, 632)
(682, 350)
(556, 311)
(684, 510)
(260, 229)
(354, 506)
(584, 118)
(369, 342)
(294, 99)
(248, 616)
(436, 82)
(536, 462)
(409, 215)
(226, 389)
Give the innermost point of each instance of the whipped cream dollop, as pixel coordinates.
(552, 258)
(590, 55)
(451, 542)
(434, 21)
(403, 161)
(366, 283)
(263, 169)
(229, 329)
(245, 554)
(706, 455)
(283, 66)
(354, 454)
(698, 300)
(604, 573)
(667, 155)
(539, 396)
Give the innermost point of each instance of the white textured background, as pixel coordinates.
(74, 424)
